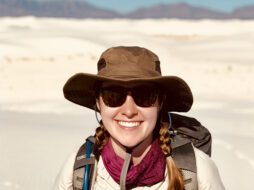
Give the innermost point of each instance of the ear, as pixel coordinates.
(98, 104)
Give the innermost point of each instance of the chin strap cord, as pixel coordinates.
(170, 119)
(125, 170)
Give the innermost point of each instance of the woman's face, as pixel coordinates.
(129, 124)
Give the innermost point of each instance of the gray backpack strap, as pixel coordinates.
(190, 180)
(79, 166)
(184, 156)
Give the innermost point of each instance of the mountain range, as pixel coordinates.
(81, 9)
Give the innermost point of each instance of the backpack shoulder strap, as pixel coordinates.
(79, 166)
(185, 159)
(183, 155)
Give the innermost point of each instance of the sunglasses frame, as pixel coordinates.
(135, 92)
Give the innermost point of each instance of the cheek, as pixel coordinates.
(107, 113)
(151, 115)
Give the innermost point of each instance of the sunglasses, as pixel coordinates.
(143, 96)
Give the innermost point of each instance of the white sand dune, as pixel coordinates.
(39, 128)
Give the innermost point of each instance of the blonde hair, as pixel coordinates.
(101, 139)
(175, 176)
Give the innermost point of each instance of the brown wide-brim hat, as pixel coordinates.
(124, 65)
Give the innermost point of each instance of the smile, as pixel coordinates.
(129, 124)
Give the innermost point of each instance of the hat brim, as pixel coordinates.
(80, 89)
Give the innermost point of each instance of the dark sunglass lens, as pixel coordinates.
(113, 97)
(145, 96)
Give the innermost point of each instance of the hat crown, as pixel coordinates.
(128, 62)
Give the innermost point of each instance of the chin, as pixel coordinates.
(129, 142)
(125, 140)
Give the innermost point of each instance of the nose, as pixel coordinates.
(129, 108)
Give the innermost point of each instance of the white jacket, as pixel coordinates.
(207, 175)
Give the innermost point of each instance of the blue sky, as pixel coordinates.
(124, 6)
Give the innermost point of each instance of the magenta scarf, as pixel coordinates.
(149, 171)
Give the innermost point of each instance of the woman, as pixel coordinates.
(133, 146)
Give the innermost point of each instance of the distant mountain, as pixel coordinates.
(64, 8)
(246, 12)
(81, 9)
(176, 10)
(6, 9)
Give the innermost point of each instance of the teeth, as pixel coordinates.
(128, 124)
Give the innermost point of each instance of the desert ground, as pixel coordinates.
(39, 128)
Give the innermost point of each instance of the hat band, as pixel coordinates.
(128, 77)
(129, 74)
